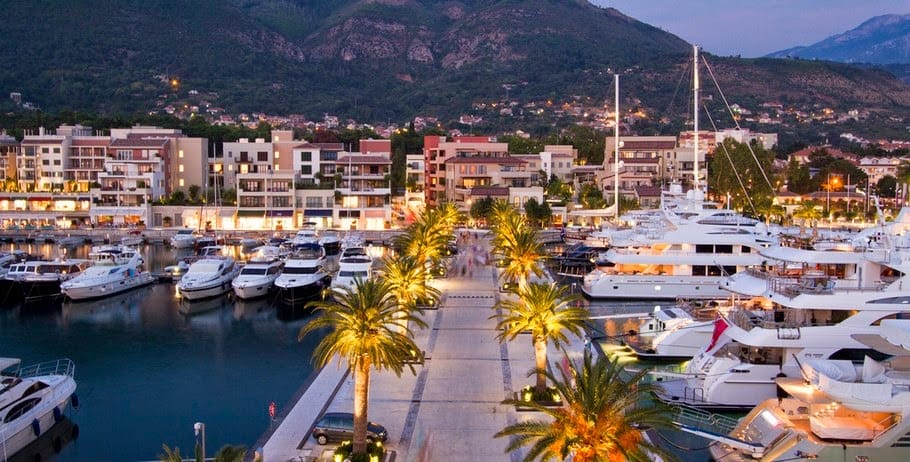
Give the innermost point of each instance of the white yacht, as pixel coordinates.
(115, 269)
(681, 253)
(355, 262)
(208, 277)
(673, 333)
(304, 277)
(305, 236)
(257, 277)
(331, 242)
(132, 240)
(32, 400)
(184, 239)
(46, 281)
(834, 410)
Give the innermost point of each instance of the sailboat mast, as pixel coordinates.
(616, 149)
(695, 88)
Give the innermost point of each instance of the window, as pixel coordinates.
(281, 201)
(314, 202)
(328, 155)
(180, 182)
(56, 161)
(180, 153)
(262, 156)
(306, 170)
(306, 156)
(277, 154)
(180, 168)
(124, 154)
(45, 162)
(45, 151)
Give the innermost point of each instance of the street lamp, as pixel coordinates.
(199, 430)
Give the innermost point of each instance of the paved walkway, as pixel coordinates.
(451, 409)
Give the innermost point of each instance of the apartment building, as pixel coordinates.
(364, 192)
(40, 165)
(134, 175)
(643, 161)
(438, 150)
(9, 152)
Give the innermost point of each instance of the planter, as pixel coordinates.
(526, 395)
(375, 453)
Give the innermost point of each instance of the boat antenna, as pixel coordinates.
(695, 91)
(616, 150)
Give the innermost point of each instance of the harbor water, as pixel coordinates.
(146, 373)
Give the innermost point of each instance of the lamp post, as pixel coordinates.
(199, 430)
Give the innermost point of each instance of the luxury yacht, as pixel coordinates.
(208, 277)
(46, 281)
(305, 236)
(257, 277)
(834, 409)
(114, 269)
(682, 252)
(32, 400)
(303, 278)
(355, 262)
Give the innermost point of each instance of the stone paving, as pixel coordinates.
(451, 408)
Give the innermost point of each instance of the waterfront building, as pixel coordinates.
(265, 200)
(438, 150)
(9, 152)
(643, 160)
(133, 177)
(364, 192)
(558, 160)
(40, 165)
(86, 158)
(877, 168)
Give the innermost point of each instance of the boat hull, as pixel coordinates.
(10, 292)
(250, 291)
(109, 288)
(650, 288)
(37, 290)
(20, 432)
(301, 294)
(206, 291)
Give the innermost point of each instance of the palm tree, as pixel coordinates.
(227, 453)
(365, 322)
(425, 240)
(408, 281)
(808, 211)
(546, 310)
(522, 256)
(600, 421)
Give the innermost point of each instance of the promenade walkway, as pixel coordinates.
(451, 408)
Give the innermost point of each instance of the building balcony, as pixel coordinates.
(364, 191)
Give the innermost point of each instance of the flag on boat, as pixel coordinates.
(720, 325)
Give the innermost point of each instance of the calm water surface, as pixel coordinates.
(145, 373)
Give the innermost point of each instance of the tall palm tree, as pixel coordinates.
(365, 323)
(227, 453)
(808, 211)
(407, 281)
(547, 311)
(522, 257)
(425, 240)
(600, 421)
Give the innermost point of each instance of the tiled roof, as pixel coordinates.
(143, 143)
(363, 160)
(632, 145)
(647, 191)
(484, 160)
(490, 191)
(41, 141)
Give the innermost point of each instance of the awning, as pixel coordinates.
(280, 213)
(39, 199)
(317, 212)
(251, 213)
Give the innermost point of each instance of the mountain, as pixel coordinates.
(880, 40)
(375, 60)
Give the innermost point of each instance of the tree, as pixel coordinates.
(366, 332)
(194, 192)
(591, 197)
(602, 419)
(481, 209)
(798, 179)
(178, 197)
(227, 453)
(407, 281)
(517, 244)
(546, 310)
(537, 213)
(558, 190)
(886, 186)
(808, 211)
(734, 172)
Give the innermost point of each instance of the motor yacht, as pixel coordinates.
(303, 277)
(184, 239)
(305, 235)
(681, 253)
(331, 242)
(132, 240)
(354, 263)
(671, 333)
(114, 269)
(32, 400)
(48, 278)
(834, 410)
(257, 277)
(208, 277)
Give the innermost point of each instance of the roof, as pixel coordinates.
(485, 160)
(363, 160)
(633, 145)
(143, 143)
(42, 141)
(490, 191)
(647, 191)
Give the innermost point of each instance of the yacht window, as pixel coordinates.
(728, 270)
(298, 270)
(253, 271)
(746, 249)
(34, 388)
(21, 408)
(723, 248)
(858, 355)
(699, 270)
(704, 248)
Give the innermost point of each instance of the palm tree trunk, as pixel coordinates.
(540, 361)
(361, 393)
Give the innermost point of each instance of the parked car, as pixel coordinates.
(339, 426)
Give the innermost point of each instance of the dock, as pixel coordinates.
(451, 408)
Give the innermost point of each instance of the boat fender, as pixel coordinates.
(75, 401)
(36, 427)
(57, 414)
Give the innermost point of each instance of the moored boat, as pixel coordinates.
(208, 277)
(115, 269)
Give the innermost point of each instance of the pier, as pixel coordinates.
(451, 408)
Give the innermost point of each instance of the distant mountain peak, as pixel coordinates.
(881, 39)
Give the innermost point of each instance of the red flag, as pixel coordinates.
(720, 325)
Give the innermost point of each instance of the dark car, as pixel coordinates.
(339, 426)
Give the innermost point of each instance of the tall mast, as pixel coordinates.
(695, 87)
(616, 149)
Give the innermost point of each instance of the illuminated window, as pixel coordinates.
(181, 182)
(277, 154)
(231, 167)
(180, 153)
(349, 202)
(180, 168)
(277, 167)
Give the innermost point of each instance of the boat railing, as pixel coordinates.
(792, 284)
(704, 420)
(58, 367)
